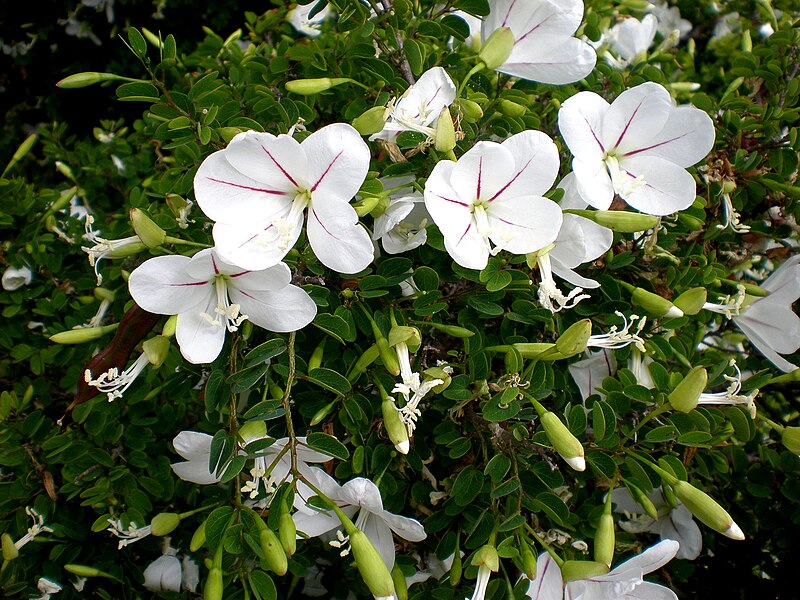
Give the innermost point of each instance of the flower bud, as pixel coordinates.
(274, 553)
(80, 80)
(691, 301)
(21, 151)
(497, 48)
(370, 564)
(444, 139)
(315, 361)
(691, 222)
(366, 359)
(573, 570)
(228, 133)
(83, 334)
(566, 444)
(287, 532)
(511, 109)
(686, 394)
(653, 303)
(164, 523)
(728, 185)
(322, 413)
(472, 111)
(604, 539)
(707, 510)
(151, 234)
(573, 341)
(399, 580)
(168, 330)
(156, 349)
(309, 87)
(214, 586)
(642, 500)
(198, 538)
(126, 250)
(394, 426)
(456, 569)
(371, 205)
(253, 430)
(86, 571)
(619, 220)
(10, 551)
(790, 438)
(452, 330)
(528, 560)
(370, 121)
(410, 335)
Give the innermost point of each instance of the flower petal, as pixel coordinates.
(651, 559)
(407, 528)
(288, 309)
(336, 237)
(526, 19)
(276, 160)
(594, 182)
(556, 59)
(200, 341)
(524, 224)
(378, 532)
(338, 161)
(687, 137)
(427, 97)
(636, 117)
(192, 445)
(580, 121)
(162, 286)
(449, 211)
(163, 574)
(680, 526)
(668, 188)
(255, 245)
(535, 164)
(363, 492)
(788, 274)
(272, 279)
(482, 172)
(470, 250)
(548, 583)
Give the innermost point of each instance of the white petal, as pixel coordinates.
(787, 275)
(288, 309)
(192, 445)
(636, 117)
(199, 340)
(363, 492)
(256, 245)
(570, 276)
(407, 528)
(427, 97)
(524, 224)
(651, 559)
(624, 502)
(594, 182)
(680, 526)
(548, 583)
(338, 161)
(336, 237)
(668, 188)
(272, 279)
(550, 58)
(163, 574)
(632, 36)
(276, 160)
(651, 591)
(397, 210)
(526, 19)
(572, 198)
(535, 164)
(580, 121)
(687, 137)
(380, 535)
(316, 523)
(482, 172)
(449, 211)
(470, 249)
(162, 286)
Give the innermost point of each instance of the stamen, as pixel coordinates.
(731, 217)
(127, 536)
(548, 290)
(342, 542)
(728, 306)
(113, 383)
(35, 529)
(614, 339)
(623, 182)
(732, 394)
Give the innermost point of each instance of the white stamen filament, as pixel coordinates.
(731, 217)
(619, 339)
(127, 536)
(731, 395)
(623, 182)
(103, 247)
(548, 290)
(342, 543)
(224, 309)
(413, 392)
(113, 383)
(728, 306)
(483, 228)
(34, 530)
(285, 227)
(259, 473)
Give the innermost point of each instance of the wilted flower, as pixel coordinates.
(14, 278)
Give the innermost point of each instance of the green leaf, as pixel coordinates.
(426, 279)
(497, 467)
(467, 486)
(233, 469)
(333, 325)
(138, 91)
(505, 488)
(327, 444)
(553, 506)
(217, 391)
(136, 40)
(478, 8)
(415, 53)
(169, 50)
(247, 378)
(262, 585)
(216, 524)
(663, 433)
(264, 352)
(330, 380)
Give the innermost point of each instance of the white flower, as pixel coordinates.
(114, 384)
(163, 574)
(732, 394)
(590, 372)
(669, 18)
(625, 581)
(769, 321)
(35, 529)
(298, 17)
(616, 339)
(258, 188)
(107, 248)
(401, 225)
(638, 147)
(129, 535)
(210, 296)
(631, 37)
(672, 523)
(14, 278)
(544, 47)
(47, 587)
(419, 107)
(362, 496)
(493, 196)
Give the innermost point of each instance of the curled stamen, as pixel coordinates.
(342, 543)
(732, 394)
(731, 217)
(728, 306)
(615, 339)
(113, 383)
(127, 536)
(623, 182)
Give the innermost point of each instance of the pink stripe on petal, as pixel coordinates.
(506, 186)
(466, 231)
(633, 152)
(628, 124)
(247, 187)
(335, 158)
(448, 199)
(277, 164)
(321, 224)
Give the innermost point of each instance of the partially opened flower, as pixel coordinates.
(14, 278)
(545, 48)
(638, 147)
(419, 107)
(362, 496)
(631, 38)
(673, 523)
(590, 372)
(210, 296)
(491, 199)
(401, 218)
(310, 26)
(258, 188)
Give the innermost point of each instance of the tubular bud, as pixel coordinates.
(168, 330)
(228, 133)
(399, 580)
(387, 354)
(84, 334)
(707, 510)
(528, 560)
(642, 500)
(511, 109)
(315, 361)
(566, 444)
(85, 79)
(151, 234)
(497, 48)
(370, 564)
(370, 121)
(363, 361)
(214, 586)
(604, 539)
(445, 136)
(618, 220)
(199, 538)
(452, 330)
(456, 569)
(86, 571)
(653, 303)
(10, 551)
(573, 570)
(691, 301)
(686, 394)
(309, 87)
(322, 413)
(472, 111)
(274, 553)
(287, 532)
(394, 426)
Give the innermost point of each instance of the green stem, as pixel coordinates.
(479, 67)
(658, 411)
(285, 402)
(545, 545)
(180, 242)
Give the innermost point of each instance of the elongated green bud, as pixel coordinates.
(164, 523)
(669, 496)
(323, 412)
(394, 426)
(456, 569)
(370, 356)
(707, 510)
(86, 571)
(445, 137)
(566, 444)
(452, 330)
(370, 565)
(315, 361)
(370, 121)
(82, 335)
(87, 78)
(604, 538)
(199, 538)
(126, 250)
(642, 500)
(287, 532)
(309, 87)
(618, 220)
(511, 109)
(10, 551)
(399, 580)
(573, 341)
(20, 152)
(274, 554)
(214, 586)
(790, 438)
(573, 570)
(151, 234)
(653, 303)
(686, 394)
(528, 560)
(253, 430)
(531, 349)
(691, 301)
(497, 48)
(472, 111)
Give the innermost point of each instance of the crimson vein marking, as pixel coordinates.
(277, 164)
(628, 124)
(335, 158)
(513, 179)
(247, 187)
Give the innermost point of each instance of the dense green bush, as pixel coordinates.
(505, 407)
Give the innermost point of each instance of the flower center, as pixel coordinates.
(225, 311)
(285, 227)
(623, 182)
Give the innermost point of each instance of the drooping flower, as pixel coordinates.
(673, 523)
(619, 338)
(630, 38)
(638, 147)
(14, 278)
(127, 535)
(769, 321)
(299, 18)
(624, 581)
(491, 199)
(104, 248)
(401, 224)
(163, 574)
(210, 296)
(544, 47)
(361, 496)
(419, 107)
(590, 372)
(258, 188)
(35, 529)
